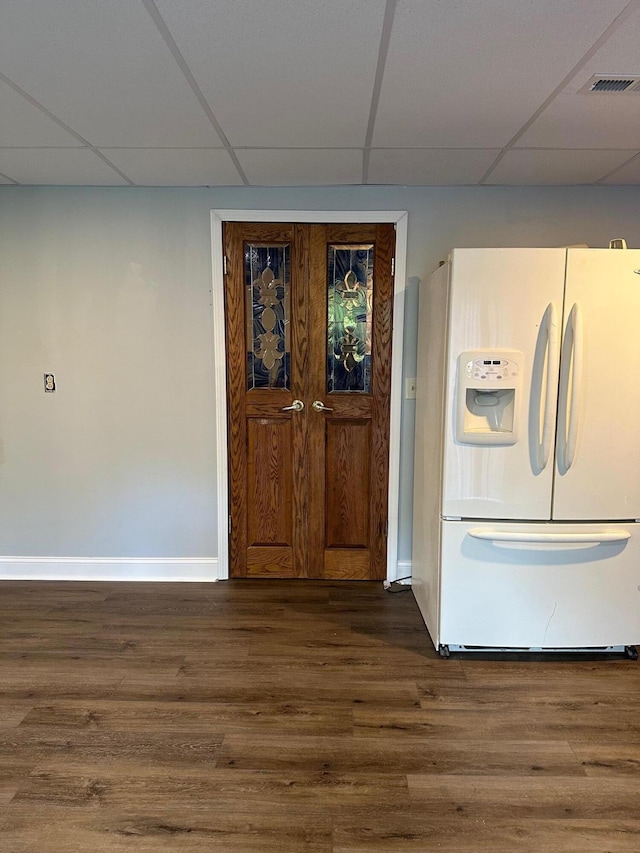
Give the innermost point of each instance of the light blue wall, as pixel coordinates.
(109, 289)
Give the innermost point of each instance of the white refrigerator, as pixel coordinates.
(527, 455)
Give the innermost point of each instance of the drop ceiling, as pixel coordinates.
(317, 92)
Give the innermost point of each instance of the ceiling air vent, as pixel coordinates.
(612, 84)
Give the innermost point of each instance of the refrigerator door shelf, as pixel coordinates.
(540, 585)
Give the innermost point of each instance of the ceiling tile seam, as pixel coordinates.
(628, 10)
(383, 50)
(635, 157)
(85, 143)
(181, 62)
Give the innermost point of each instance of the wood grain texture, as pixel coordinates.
(287, 715)
(381, 396)
(317, 390)
(347, 563)
(334, 475)
(249, 477)
(270, 481)
(348, 483)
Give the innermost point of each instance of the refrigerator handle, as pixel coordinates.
(544, 537)
(553, 357)
(575, 326)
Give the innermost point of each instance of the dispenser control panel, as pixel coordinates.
(492, 368)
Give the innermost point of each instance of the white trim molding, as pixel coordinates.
(402, 572)
(159, 569)
(397, 218)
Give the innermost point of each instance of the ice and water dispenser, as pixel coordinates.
(489, 384)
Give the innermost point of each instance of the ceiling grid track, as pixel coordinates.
(159, 21)
(385, 38)
(8, 178)
(84, 142)
(629, 10)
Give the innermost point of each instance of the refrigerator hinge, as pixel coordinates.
(224, 263)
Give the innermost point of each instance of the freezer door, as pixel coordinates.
(540, 585)
(507, 304)
(598, 444)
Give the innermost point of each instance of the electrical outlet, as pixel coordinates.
(49, 383)
(410, 389)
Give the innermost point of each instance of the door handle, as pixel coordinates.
(319, 406)
(575, 322)
(296, 406)
(552, 378)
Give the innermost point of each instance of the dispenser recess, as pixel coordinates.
(488, 397)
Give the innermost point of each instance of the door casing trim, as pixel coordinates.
(218, 217)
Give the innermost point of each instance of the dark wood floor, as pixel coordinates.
(264, 716)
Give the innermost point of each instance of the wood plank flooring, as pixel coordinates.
(285, 716)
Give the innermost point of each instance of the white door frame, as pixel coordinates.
(218, 217)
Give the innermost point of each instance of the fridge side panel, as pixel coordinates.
(503, 302)
(598, 474)
(541, 595)
(430, 388)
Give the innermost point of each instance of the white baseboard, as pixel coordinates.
(168, 570)
(175, 569)
(402, 572)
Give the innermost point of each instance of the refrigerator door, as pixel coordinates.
(505, 307)
(511, 585)
(598, 448)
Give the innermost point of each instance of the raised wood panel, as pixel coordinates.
(347, 482)
(274, 561)
(269, 481)
(347, 564)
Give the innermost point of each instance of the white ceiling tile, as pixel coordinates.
(282, 73)
(547, 166)
(58, 166)
(301, 167)
(429, 166)
(23, 124)
(587, 121)
(576, 119)
(628, 174)
(470, 74)
(102, 67)
(183, 167)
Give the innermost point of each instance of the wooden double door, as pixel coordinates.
(308, 338)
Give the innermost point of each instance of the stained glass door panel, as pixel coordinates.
(349, 317)
(267, 281)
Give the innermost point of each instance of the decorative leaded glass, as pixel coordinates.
(350, 312)
(267, 277)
